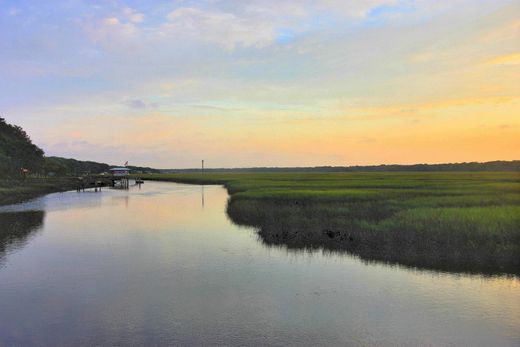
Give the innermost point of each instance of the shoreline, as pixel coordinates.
(18, 191)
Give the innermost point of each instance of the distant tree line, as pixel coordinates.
(498, 165)
(71, 167)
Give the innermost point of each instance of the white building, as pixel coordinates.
(120, 171)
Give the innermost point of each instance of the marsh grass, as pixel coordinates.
(452, 221)
(15, 191)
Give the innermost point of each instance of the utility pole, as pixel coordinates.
(202, 165)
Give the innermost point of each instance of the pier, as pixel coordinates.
(97, 182)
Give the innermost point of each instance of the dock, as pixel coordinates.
(97, 182)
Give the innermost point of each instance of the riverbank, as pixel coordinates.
(16, 191)
(450, 221)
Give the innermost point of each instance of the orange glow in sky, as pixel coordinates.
(265, 83)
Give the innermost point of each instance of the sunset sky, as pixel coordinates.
(265, 82)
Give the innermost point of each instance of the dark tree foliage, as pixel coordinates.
(72, 167)
(17, 151)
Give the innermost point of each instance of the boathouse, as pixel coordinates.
(120, 171)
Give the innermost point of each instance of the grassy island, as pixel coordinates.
(456, 221)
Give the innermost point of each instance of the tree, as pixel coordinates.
(17, 151)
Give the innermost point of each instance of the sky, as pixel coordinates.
(264, 82)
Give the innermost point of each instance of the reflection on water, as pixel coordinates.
(317, 227)
(164, 266)
(16, 228)
(59, 201)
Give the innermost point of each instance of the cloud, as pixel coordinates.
(132, 15)
(262, 23)
(506, 59)
(111, 21)
(223, 28)
(136, 103)
(139, 104)
(111, 33)
(359, 9)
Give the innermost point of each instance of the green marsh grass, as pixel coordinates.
(455, 221)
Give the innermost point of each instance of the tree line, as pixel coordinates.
(498, 165)
(19, 153)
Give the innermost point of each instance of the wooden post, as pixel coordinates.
(202, 165)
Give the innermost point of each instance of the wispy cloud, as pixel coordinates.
(139, 104)
(132, 15)
(223, 28)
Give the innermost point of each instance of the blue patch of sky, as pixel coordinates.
(313, 24)
(380, 15)
(285, 36)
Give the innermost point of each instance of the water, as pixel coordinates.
(156, 266)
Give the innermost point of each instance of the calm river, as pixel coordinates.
(163, 265)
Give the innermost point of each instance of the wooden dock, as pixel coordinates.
(97, 182)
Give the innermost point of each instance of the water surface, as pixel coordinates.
(163, 265)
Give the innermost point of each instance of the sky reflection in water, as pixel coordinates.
(155, 266)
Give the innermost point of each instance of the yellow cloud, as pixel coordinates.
(507, 59)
